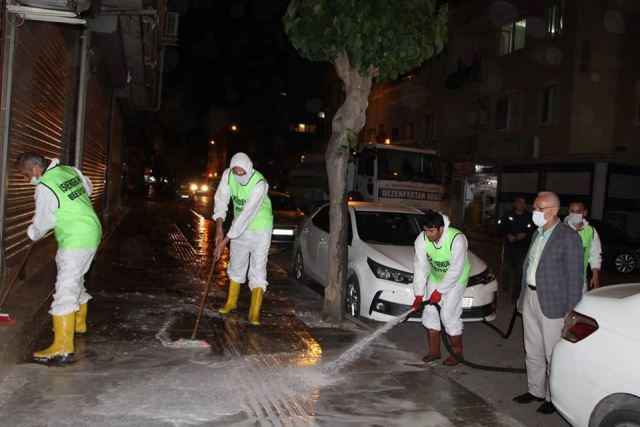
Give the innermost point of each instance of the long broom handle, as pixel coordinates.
(17, 269)
(204, 300)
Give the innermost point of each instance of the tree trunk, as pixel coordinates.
(348, 120)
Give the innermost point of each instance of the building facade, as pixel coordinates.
(530, 96)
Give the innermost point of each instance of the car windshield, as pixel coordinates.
(388, 228)
(281, 203)
(408, 166)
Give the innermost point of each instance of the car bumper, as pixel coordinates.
(571, 393)
(385, 304)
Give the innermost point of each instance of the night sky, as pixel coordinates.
(232, 64)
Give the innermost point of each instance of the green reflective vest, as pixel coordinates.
(240, 194)
(440, 258)
(77, 225)
(586, 233)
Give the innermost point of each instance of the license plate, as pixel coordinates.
(467, 302)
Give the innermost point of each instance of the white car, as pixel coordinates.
(380, 262)
(595, 374)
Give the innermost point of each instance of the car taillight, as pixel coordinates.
(578, 326)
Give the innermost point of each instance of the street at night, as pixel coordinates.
(320, 213)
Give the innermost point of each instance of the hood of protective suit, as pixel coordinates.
(243, 161)
(447, 222)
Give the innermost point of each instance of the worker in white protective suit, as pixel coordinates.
(62, 203)
(440, 272)
(249, 234)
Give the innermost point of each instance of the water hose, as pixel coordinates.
(460, 358)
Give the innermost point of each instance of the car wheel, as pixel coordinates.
(298, 269)
(352, 296)
(625, 263)
(627, 417)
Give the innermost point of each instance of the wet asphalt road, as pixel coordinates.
(148, 281)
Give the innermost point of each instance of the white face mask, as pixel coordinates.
(538, 219)
(575, 218)
(34, 180)
(242, 179)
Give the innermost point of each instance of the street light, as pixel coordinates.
(212, 142)
(234, 128)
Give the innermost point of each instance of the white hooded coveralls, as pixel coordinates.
(248, 248)
(452, 291)
(72, 264)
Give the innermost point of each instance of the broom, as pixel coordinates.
(192, 342)
(5, 318)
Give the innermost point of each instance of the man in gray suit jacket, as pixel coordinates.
(552, 285)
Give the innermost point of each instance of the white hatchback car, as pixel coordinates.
(380, 262)
(595, 374)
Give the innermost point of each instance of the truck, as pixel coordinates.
(385, 173)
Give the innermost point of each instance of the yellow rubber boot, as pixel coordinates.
(256, 303)
(62, 348)
(232, 299)
(81, 319)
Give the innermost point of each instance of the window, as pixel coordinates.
(395, 133)
(547, 110)
(431, 127)
(371, 135)
(554, 18)
(366, 162)
(512, 37)
(585, 56)
(508, 112)
(321, 219)
(303, 128)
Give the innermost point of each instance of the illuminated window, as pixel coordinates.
(512, 37)
(303, 128)
(554, 18)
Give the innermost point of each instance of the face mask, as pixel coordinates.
(538, 219)
(242, 179)
(34, 181)
(575, 218)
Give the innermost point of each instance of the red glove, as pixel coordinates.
(435, 297)
(417, 303)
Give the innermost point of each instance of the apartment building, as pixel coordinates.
(528, 96)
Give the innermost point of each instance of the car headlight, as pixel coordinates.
(483, 278)
(204, 187)
(388, 273)
(193, 187)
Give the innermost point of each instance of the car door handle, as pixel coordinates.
(323, 241)
(305, 230)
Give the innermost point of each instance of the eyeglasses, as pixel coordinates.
(541, 209)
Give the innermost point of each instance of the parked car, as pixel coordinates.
(286, 217)
(618, 251)
(595, 375)
(380, 262)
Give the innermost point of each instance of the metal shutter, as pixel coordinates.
(94, 151)
(114, 185)
(42, 115)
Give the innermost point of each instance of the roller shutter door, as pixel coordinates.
(41, 118)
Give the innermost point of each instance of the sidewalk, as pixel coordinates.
(148, 279)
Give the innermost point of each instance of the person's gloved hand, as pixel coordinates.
(417, 303)
(435, 297)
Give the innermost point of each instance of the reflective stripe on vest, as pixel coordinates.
(77, 225)
(440, 258)
(240, 194)
(586, 234)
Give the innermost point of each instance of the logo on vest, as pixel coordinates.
(439, 266)
(70, 184)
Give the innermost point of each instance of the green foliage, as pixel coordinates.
(394, 36)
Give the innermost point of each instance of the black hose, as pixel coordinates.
(460, 358)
